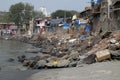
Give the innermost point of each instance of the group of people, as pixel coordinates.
(82, 27)
(76, 25)
(47, 25)
(8, 32)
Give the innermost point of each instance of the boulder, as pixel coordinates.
(58, 64)
(32, 63)
(113, 47)
(52, 58)
(33, 50)
(21, 58)
(65, 57)
(74, 56)
(73, 64)
(11, 60)
(43, 56)
(41, 64)
(26, 63)
(63, 63)
(115, 54)
(49, 65)
(89, 59)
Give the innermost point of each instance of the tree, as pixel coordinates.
(63, 13)
(4, 17)
(21, 13)
(38, 14)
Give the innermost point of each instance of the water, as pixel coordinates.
(11, 49)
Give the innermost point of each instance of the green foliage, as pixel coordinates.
(37, 14)
(21, 13)
(4, 17)
(63, 13)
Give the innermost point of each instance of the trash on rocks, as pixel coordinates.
(72, 40)
(55, 62)
(103, 55)
(118, 44)
(83, 37)
(113, 41)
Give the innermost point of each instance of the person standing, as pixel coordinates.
(53, 25)
(42, 26)
(0, 32)
(88, 29)
(76, 24)
(48, 25)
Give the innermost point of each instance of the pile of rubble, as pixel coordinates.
(56, 52)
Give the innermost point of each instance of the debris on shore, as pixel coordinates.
(58, 52)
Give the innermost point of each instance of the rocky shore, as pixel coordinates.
(61, 51)
(58, 52)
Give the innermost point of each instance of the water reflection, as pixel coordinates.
(11, 49)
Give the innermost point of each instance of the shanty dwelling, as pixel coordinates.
(116, 14)
(110, 15)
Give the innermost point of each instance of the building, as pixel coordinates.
(110, 15)
(44, 11)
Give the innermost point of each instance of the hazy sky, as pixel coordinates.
(51, 5)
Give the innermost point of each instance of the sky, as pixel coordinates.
(51, 5)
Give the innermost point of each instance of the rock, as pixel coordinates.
(58, 64)
(41, 64)
(65, 57)
(11, 60)
(113, 47)
(63, 63)
(73, 64)
(36, 58)
(26, 63)
(33, 50)
(43, 56)
(21, 58)
(46, 51)
(113, 41)
(105, 34)
(89, 59)
(115, 54)
(50, 65)
(74, 56)
(118, 45)
(52, 58)
(32, 64)
(24, 39)
(102, 45)
(21, 68)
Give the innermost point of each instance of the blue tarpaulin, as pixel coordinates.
(96, 1)
(83, 23)
(87, 28)
(66, 26)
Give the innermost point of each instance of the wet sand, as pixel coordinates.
(98, 71)
(16, 75)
